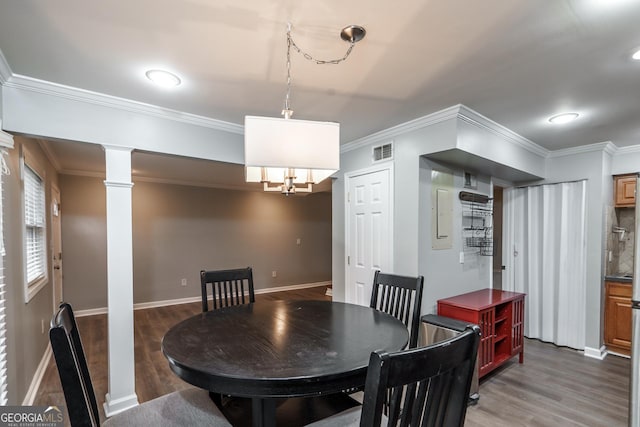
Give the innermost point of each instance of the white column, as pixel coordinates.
(121, 365)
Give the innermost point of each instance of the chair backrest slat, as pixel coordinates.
(401, 297)
(429, 386)
(73, 369)
(228, 287)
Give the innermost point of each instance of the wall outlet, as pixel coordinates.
(274, 273)
(183, 282)
(461, 257)
(298, 241)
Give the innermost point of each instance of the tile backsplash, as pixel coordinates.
(621, 249)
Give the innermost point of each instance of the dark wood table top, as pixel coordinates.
(281, 348)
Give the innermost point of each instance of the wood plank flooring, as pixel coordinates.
(554, 387)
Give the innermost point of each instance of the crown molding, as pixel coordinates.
(5, 70)
(474, 118)
(460, 112)
(605, 147)
(633, 149)
(234, 187)
(392, 132)
(67, 92)
(51, 155)
(88, 174)
(154, 180)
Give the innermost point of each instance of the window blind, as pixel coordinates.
(34, 215)
(3, 326)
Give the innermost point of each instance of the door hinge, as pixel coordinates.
(348, 260)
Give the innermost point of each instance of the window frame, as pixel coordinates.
(31, 288)
(5, 142)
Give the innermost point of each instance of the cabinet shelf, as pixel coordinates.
(500, 359)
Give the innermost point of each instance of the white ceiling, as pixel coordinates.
(515, 61)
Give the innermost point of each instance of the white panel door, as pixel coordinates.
(368, 233)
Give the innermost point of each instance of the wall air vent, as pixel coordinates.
(383, 152)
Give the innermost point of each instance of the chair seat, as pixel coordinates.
(191, 407)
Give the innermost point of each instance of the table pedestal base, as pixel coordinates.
(293, 412)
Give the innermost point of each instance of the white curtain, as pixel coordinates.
(545, 246)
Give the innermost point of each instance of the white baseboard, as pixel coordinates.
(30, 397)
(596, 353)
(615, 353)
(164, 303)
(90, 312)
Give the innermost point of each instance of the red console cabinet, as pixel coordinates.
(500, 315)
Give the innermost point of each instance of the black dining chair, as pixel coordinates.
(401, 297)
(191, 407)
(425, 386)
(228, 287)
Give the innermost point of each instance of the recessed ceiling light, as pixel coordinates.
(163, 78)
(636, 55)
(563, 118)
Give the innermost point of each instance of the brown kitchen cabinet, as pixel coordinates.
(617, 317)
(625, 190)
(500, 316)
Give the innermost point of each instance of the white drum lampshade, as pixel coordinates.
(273, 145)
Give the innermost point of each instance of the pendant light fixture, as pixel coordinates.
(287, 155)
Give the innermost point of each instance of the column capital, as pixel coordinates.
(118, 166)
(107, 147)
(118, 184)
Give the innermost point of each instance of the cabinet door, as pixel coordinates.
(487, 334)
(617, 324)
(625, 190)
(517, 326)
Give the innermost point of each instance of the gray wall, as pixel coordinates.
(26, 343)
(444, 276)
(443, 273)
(179, 230)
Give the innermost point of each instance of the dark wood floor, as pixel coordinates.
(554, 386)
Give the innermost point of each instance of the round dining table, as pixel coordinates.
(280, 349)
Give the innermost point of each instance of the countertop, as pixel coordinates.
(623, 279)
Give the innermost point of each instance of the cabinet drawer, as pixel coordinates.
(619, 289)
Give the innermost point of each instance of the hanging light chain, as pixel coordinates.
(291, 42)
(287, 112)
